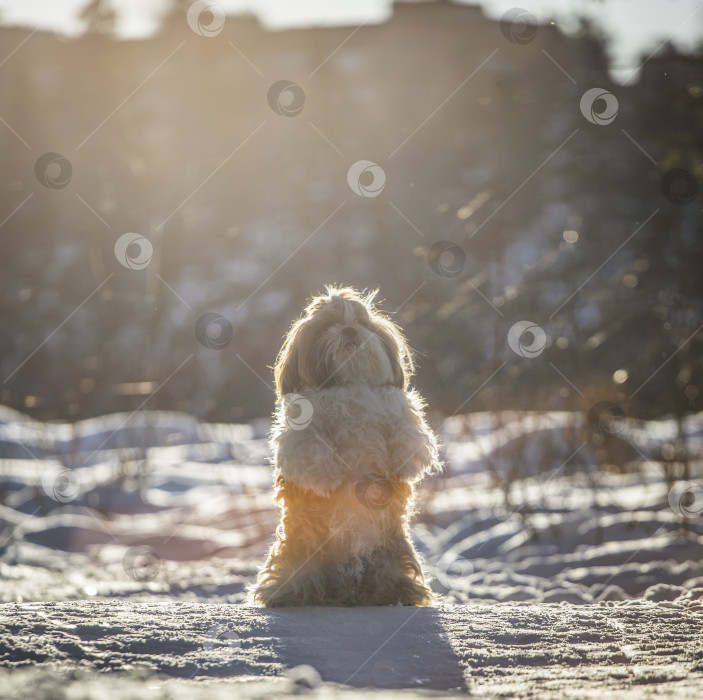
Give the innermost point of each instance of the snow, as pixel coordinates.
(127, 543)
(119, 648)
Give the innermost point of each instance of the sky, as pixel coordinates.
(635, 28)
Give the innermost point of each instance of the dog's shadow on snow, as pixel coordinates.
(366, 647)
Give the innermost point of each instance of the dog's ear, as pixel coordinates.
(397, 350)
(313, 368)
(298, 364)
(400, 378)
(286, 375)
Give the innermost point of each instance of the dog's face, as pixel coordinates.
(342, 339)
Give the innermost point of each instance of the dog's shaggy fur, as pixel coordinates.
(349, 440)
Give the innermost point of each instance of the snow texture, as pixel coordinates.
(510, 650)
(127, 544)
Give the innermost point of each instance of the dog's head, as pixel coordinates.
(341, 339)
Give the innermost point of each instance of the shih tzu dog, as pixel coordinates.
(349, 441)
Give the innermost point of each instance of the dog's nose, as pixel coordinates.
(349, 333)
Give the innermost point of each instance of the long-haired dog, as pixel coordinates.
(349, 440)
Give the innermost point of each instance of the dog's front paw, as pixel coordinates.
(413, 455)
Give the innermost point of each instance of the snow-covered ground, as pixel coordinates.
(582, 576)
(122, 649)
